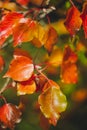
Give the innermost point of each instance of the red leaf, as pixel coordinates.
(69, 73)
(73, 21)
(20, 69)
(8, 22)
(9, 115)
(84, 19)
(23, 2)
(2, 63)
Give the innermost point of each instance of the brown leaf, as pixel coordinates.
(20, 69)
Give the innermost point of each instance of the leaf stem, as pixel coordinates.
(5, 86)
(72, 3)
(2, 97)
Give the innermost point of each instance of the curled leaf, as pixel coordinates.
(20, 69)
(73, 21)
(52, 102)
(9, 115)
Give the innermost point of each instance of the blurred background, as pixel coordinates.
(75, 116)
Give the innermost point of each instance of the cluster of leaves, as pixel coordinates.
(24, 72)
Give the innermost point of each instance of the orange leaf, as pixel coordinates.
(26, 87)
(69, 55)
(9, 115)
(26, 33)
(52, 102)
(69, 73)
(73, 21)
(51, 39)
(84, 19)
(8, 22)
(20, 69)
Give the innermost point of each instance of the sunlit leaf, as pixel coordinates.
(8, 22)
(84, 18)
(52, 102)
(26, 87)
(46, 37)
(9, 115)
(39, 33)
(20, 69)
(26, 33)
(73, 21)
(69, 72)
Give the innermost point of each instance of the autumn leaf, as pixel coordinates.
(20, 69)
(26, 87)
(46, 37)
(38, 37)
(69, 72)
(27, 30)
(2, 63)
(84, 18)
(51, 39)
(8, 22)
(52, 101)
(73, 21)
(18, 52)
(23, 2)
(9, 115)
